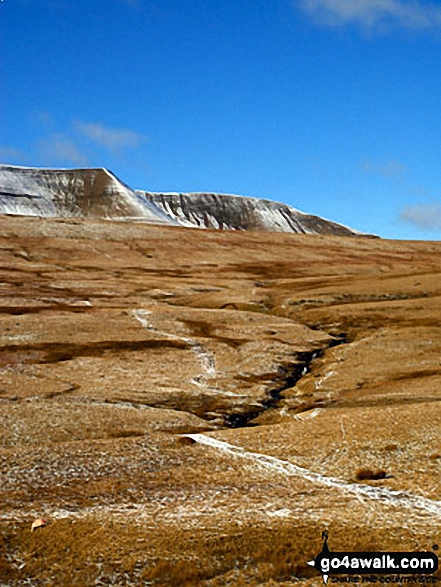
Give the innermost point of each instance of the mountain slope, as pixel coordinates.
(194, 407)
(88, 193)
(98, 193)
(230, 212)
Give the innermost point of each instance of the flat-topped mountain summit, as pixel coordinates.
(85, 193)
(98, 193)
(231, 212)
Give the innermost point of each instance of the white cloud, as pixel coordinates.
(374, 14)
(114, 139)
(59, 148)
(392, 168)
(424, 216)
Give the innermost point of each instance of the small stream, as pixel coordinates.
(289, 375)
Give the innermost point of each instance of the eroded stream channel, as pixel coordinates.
(288, 377)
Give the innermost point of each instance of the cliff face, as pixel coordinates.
(231, 212)
(97, 193)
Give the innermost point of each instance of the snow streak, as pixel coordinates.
(206, 359)
(389, 496)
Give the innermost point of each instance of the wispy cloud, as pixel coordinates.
(424, 216)
(374, 15)
(78, 143)
(44, 118)
(59, 148)
(392, 168)
(115, 139)
(11, 155)
(419, 191)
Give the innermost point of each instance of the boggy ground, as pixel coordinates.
(193, 407)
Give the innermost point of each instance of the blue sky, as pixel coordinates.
(332, 106)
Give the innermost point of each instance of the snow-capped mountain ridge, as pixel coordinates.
(233, 212)
(98, 193)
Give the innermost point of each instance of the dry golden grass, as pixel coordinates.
(116, 339)
(82, 552)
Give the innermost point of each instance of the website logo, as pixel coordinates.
(374, 563)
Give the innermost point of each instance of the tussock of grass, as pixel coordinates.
(186, 441)
(369, 474)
